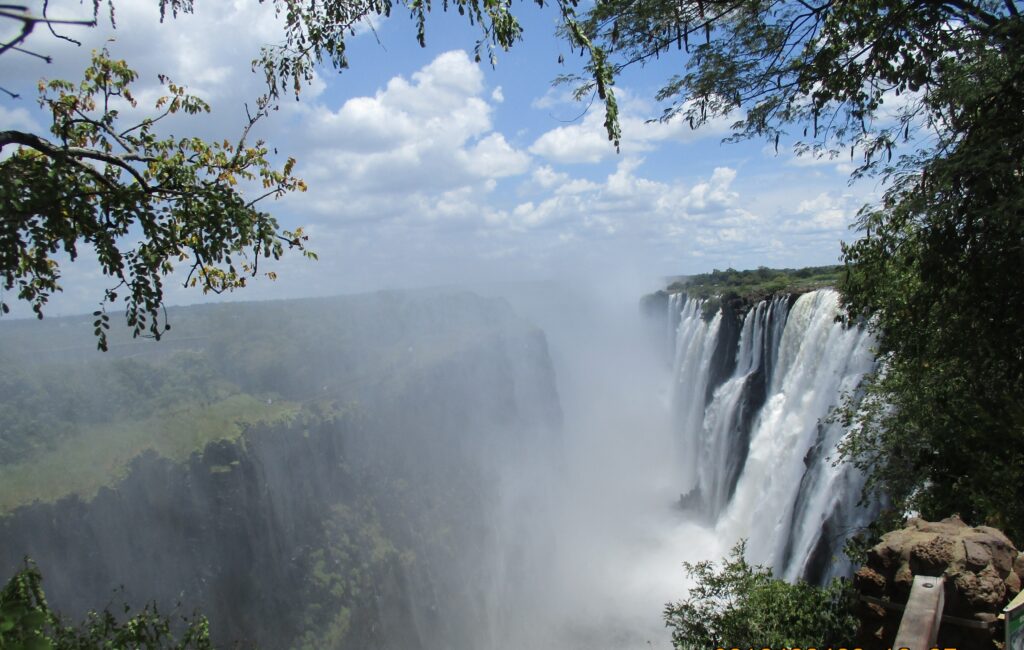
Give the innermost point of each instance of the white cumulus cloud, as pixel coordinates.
(412, 143)
(587, 141)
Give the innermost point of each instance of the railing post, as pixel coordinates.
(919, 627)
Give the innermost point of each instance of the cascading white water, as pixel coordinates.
(761, 454)
(695, 346)
(724, 431)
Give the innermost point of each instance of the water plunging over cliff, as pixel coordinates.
(751, 393)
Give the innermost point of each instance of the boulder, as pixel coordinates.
(982, 569)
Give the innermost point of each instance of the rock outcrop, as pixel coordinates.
(982, 568)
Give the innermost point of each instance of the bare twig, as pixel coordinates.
(28, 23)
(48, 59)
(46, 6)
(26, 28)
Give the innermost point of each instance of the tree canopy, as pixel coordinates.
(145, 203)
(102, 183)
(937, 272)
(824, 69)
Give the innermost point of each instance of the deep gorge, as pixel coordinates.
(434, 471)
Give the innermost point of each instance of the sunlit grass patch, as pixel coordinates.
(100, 455)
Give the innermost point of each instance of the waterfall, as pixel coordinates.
(727, 418)
(757, 449)
(695, 347)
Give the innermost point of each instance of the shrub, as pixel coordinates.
(743, 606)
(27, 623)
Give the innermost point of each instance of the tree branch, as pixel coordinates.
(27, 25)
(969, 10)
(75, 153)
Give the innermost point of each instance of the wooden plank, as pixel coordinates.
(946, 618)
(919, 627)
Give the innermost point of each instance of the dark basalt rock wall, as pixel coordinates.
(723, 359)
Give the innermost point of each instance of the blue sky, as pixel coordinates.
(426, 168)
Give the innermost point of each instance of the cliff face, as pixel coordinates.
(224, 532)
(364, 521)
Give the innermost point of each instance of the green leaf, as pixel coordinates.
(34, 619)
(38, 643)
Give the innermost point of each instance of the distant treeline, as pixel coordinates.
(759, 281)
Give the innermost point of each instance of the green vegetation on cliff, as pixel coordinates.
(28, 623)
(306, 472)
(743, 288)
(757, 283)
(74, 419)
(98, 455)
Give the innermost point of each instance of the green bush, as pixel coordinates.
(759, 282)
(743, 606)
(27, 623)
